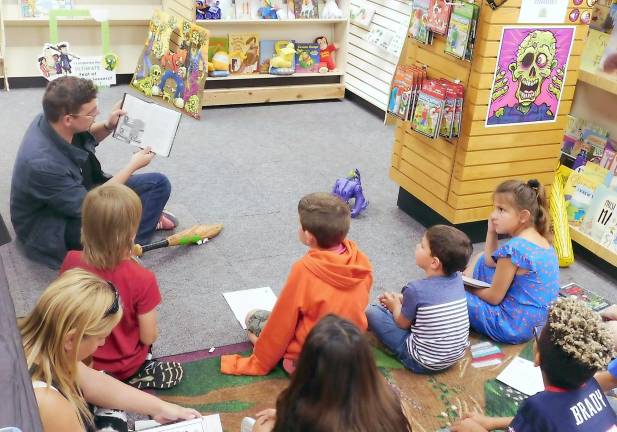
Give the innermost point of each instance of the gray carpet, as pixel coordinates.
(247, 167)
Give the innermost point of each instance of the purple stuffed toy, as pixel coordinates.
(351, 187)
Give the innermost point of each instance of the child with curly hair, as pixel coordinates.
(570, 349)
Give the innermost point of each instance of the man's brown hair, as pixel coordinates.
(66, 95)
(325, 216)
(451, 246)
(110, 218)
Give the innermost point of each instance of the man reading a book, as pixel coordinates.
(56, 166)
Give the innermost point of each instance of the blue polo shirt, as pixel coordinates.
(50, 180)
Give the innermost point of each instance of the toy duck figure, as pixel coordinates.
(284, 56)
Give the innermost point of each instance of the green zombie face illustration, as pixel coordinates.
(155, 74)
(111, 61)
(535, 60)
(192, 106)
(195, 38)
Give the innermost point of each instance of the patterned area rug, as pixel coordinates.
(434, 401)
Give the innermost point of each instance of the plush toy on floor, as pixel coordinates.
(351, 187)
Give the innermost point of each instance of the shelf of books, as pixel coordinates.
(258, 60)
(593, 246)
(455, 96)
(600, 80)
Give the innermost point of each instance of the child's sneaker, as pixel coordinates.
(110, 420)
(247, 424)
(157, 375)
(167, 221)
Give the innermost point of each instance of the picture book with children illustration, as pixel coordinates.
(438, 16)
(147, 124)
(418, 27)
(429, 109)
(459, 30)
(173, 65)
(243, 52)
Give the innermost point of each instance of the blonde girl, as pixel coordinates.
(523, 272)
(69, 322)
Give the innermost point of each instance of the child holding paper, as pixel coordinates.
(110, 218)
(334, 277)
(572, 346)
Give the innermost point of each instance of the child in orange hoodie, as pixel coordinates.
(334, 277)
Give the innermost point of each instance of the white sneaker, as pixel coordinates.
(247, 424)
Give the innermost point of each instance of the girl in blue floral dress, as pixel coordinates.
(523, 273)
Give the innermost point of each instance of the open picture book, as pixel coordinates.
(210, 423)
(147, 124)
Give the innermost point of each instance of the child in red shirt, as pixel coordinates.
(110, 218)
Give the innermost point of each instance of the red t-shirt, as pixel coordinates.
(123, 353)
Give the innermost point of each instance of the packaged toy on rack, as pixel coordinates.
(400, 94)
(429, 109)
(459, 30)
(418, 27)
(438, 16)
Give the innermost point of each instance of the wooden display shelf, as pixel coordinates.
(77, 21)
(267, 94)
(267, 76)
(600, 80)
(592, 246)
(223, 22)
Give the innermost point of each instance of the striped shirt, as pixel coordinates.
(437, 308)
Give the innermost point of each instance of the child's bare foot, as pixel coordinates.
(252, 337)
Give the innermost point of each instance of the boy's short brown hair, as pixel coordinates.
(326, 216)
(66, 95)
(451, 246)
(110, 218)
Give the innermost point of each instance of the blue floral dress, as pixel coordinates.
(526, 302)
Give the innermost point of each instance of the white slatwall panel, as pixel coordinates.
(369, 69)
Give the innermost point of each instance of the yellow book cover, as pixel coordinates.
(243, 52)
(594, 50)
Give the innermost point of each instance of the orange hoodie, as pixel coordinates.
(320, 283)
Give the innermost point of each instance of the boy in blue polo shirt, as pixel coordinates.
(570, 349)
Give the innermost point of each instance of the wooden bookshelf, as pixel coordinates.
(456, 178)
(241, 89)
(607, 83)
(592, 246)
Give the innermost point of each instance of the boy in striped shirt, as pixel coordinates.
(427, 326)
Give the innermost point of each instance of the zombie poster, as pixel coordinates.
(173, 66)
(529, 76)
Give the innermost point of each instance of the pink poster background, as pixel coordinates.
(510, 42)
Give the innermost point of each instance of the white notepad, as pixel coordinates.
(211, 423)
(475, 283)
(147, 124)
(523, 376)
(242, 302)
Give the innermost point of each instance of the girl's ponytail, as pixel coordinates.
(542, 220)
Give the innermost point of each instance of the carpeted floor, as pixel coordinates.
(247, 167)
(433, 401)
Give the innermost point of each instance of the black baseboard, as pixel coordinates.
(5, 237)
(40, 82)
(428, 217)
(365, 104)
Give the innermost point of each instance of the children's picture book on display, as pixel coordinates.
(147, 124)
(361, 15)
(218, 56)
(41, 8)
(173, 65)
(306, 9)
(307, 57)
(418, 27)
(530, 75)
(243, 52)
(277, 57)
(594, 301)
(438, 16)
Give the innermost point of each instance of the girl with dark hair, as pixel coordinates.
(523, 272)
(336, 387)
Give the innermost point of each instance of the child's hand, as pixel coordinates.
(472, 422)
(610, 313)
(388, 300)
(491, 227)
